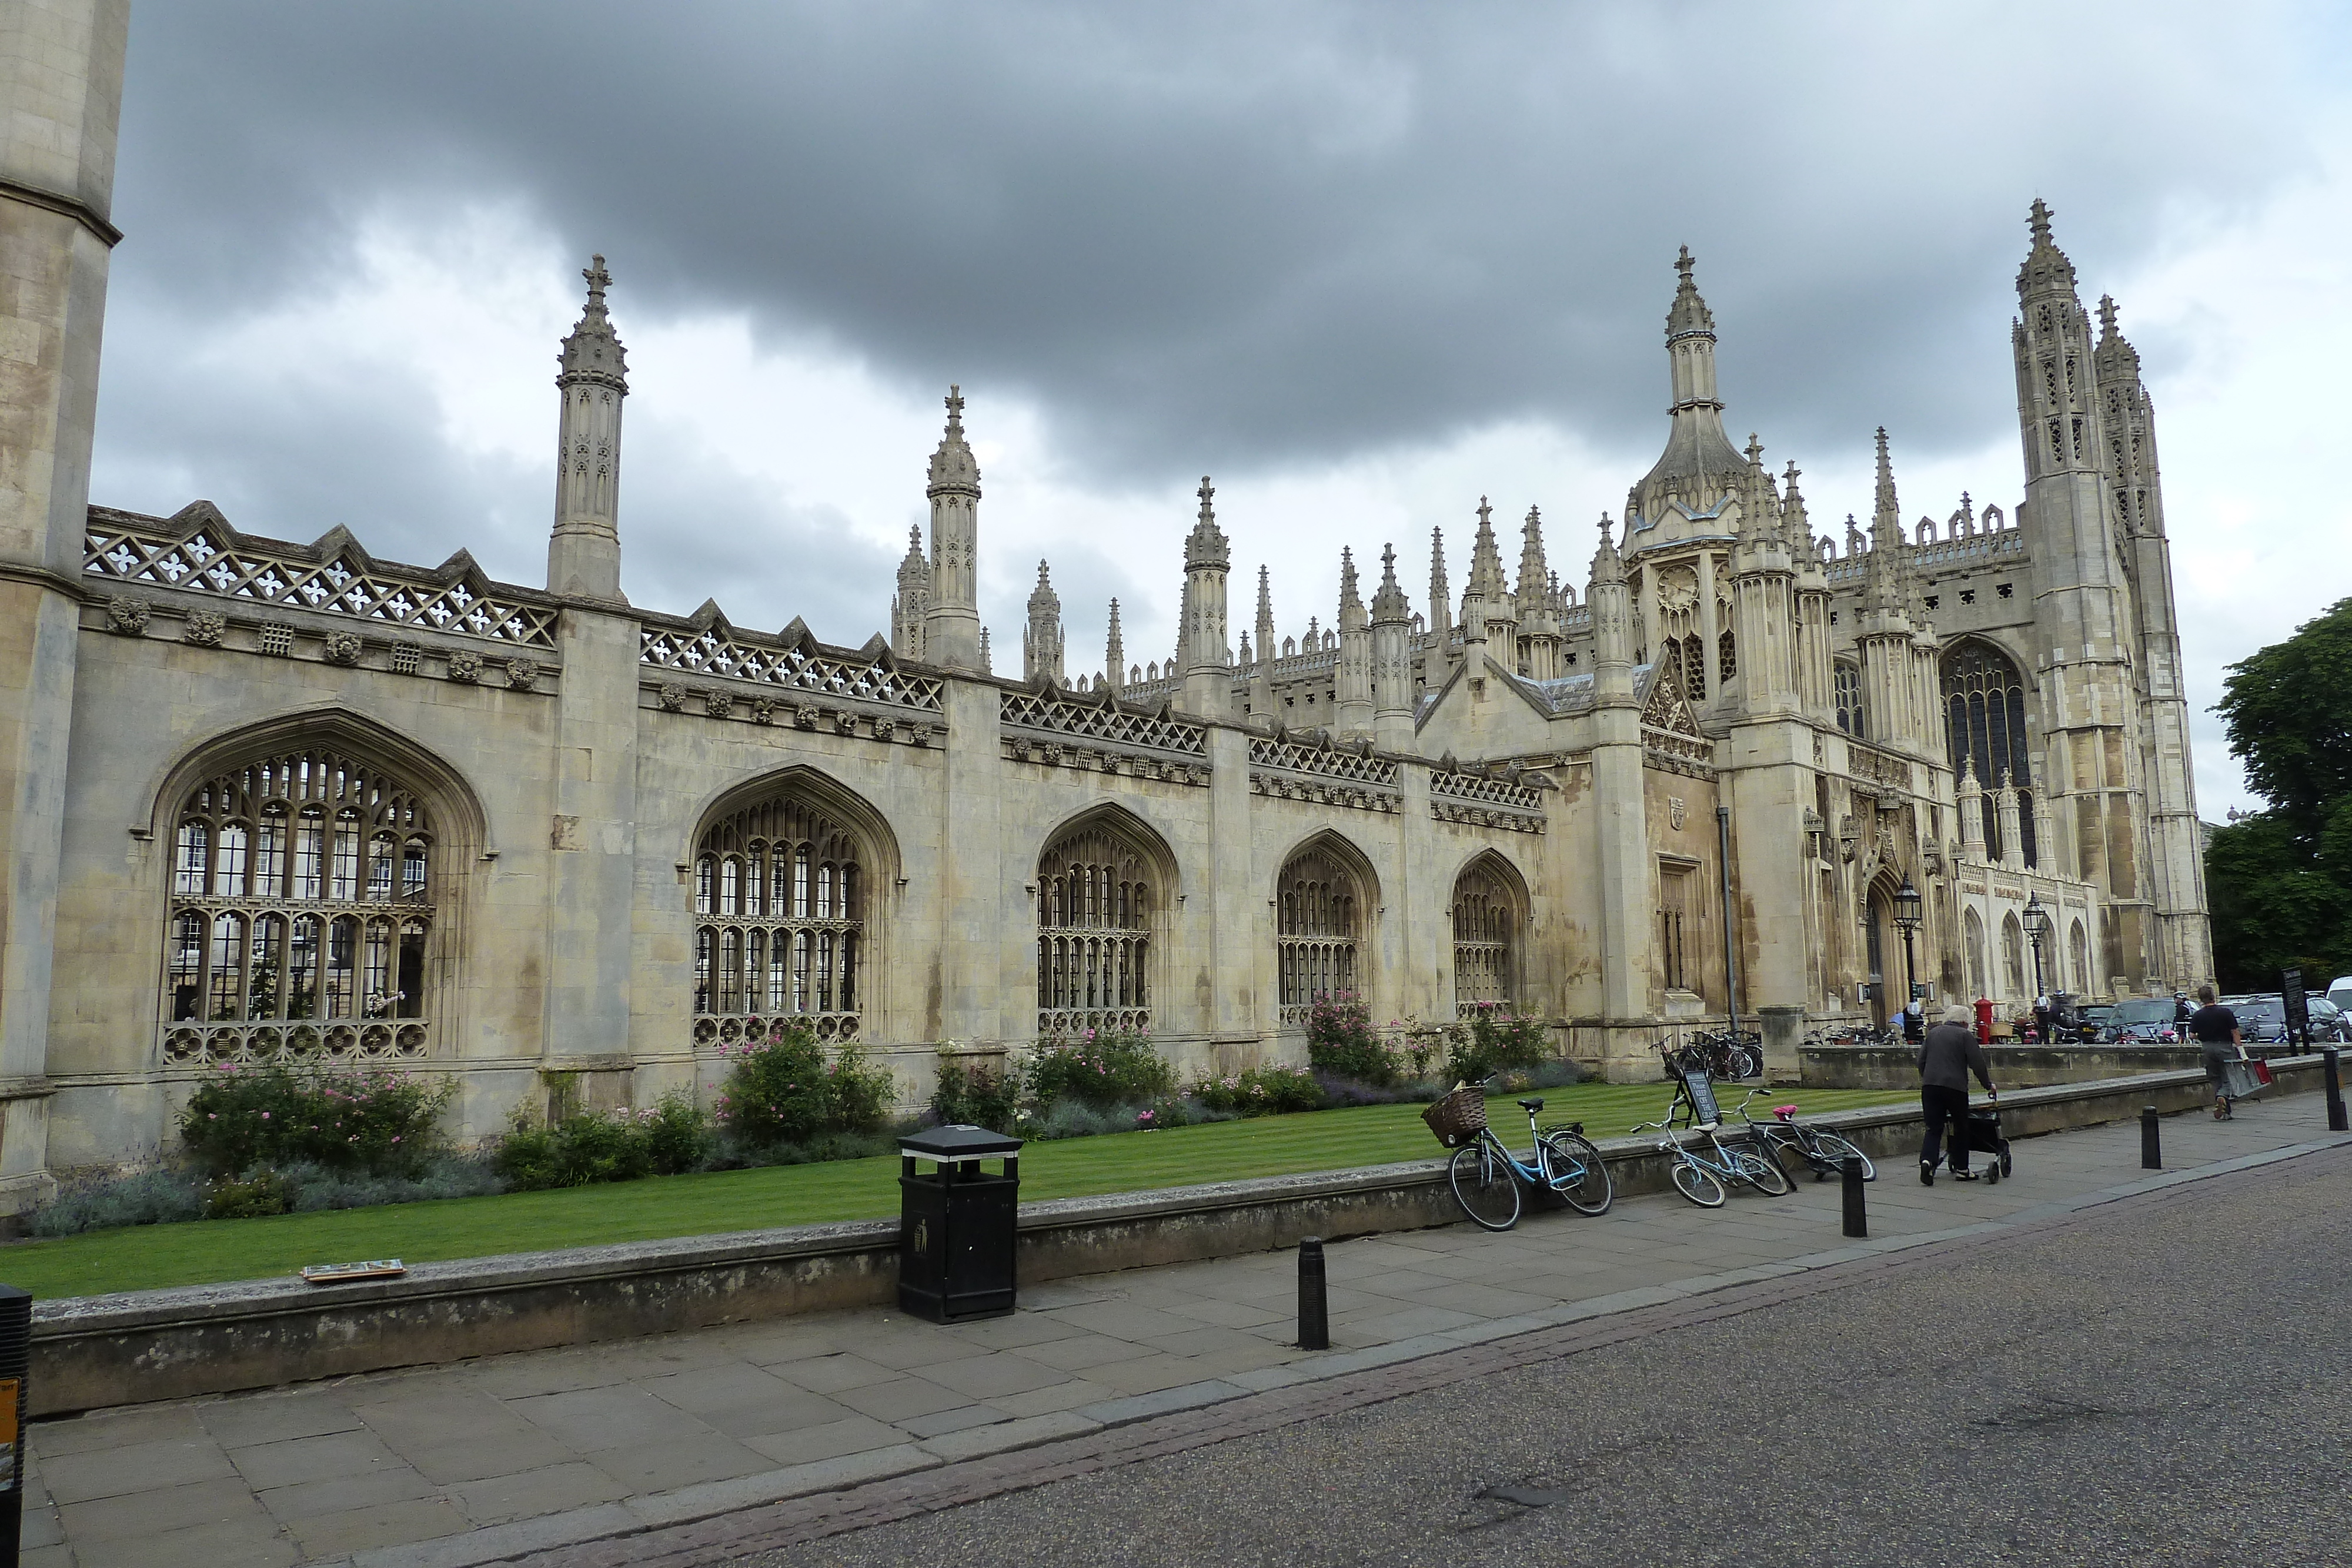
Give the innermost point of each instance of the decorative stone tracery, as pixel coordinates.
(780, 891)
(1096, 896)
(1318, 923)
(1485, 932)
(302, 915)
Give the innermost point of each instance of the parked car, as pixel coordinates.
(2143, 1020)
(2094, 1021)
(2261, 1020)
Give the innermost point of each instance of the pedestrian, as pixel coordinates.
(2041, 1019)
(1915, 1022)
(2181, 1013)
(1946, 1057)
(2215, 1028)
(1984, 1020)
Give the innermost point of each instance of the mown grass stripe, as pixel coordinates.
(149, 1258)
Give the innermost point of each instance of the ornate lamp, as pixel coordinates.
(1906, 920)
(2037, 926)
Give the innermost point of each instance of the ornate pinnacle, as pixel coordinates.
(955, 408)
(598, 281)
(2038, 221)
(1389, 602)
(1205, 545)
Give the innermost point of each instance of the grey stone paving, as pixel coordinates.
(461, 1465)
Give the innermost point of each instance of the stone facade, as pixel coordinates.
(269, 799)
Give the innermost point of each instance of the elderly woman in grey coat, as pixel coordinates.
(1946, 1057)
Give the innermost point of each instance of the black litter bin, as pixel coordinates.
(957, 1225)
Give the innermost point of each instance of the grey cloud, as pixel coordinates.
(1244, 238)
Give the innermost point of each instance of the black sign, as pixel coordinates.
(2298, 1010)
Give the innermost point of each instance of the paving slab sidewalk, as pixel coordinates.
(450, 1467)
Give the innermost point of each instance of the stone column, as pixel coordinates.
(591, 893)
(61, 81)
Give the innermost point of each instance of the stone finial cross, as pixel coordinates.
(598, 279)
(955, 407)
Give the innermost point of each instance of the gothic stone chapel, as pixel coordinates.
(270, 798)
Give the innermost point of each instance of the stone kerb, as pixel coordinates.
(137, 1348)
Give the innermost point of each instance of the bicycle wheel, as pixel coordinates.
(1759, 1172)
(1484, 1185)
(1697, 1185)
(1832, 1150)
(1748, 1061)
(1590, 1190)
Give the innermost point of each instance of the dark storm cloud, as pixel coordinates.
(1249, 235)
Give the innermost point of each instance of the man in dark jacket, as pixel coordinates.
(1946, 1057)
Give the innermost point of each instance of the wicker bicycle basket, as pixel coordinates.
(1457, 1118)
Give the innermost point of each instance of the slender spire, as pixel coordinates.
(1487, 580)
(1349, 597)
(1204, 656)
(1532, 570)
(1441, 596)
(1389, 603)
(1607, 565)
(1115, 653)
(1261, 671)
(1887, 506)
(914, 597)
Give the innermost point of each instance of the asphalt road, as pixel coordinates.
(2159, 1381)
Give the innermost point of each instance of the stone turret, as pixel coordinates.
(913, 598)
(1205, 657)
(1613, 625)
(1392, 688)
(1763, 656)
(952, 630)
(1699, 463)
(1114, 653)
(583, 554)
(1041, 643)
(1815, 686)
(1352, 683)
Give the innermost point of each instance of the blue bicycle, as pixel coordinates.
(1486, 1175)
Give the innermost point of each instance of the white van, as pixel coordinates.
(2339, 991)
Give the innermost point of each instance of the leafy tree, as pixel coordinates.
(2280, 882)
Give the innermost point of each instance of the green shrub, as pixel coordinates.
(783, 1091)
(975, 1095)
(382, 1123)
(263, 1193)
(1262, 1092)
(158, 1196)
(1100, 1070)
(1340, 1041)
(590, 1146)
(1493, 1039)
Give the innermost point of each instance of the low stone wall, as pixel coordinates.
(99, 1351)
(2013, 1066)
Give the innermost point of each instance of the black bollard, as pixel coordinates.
(1857, 1221)
(2336, 1118)
(15, 1362)
(1314, 1316)
(2151, 1141)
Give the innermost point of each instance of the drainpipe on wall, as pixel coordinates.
(1723, 864)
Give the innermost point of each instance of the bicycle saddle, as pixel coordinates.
(1531, 1106)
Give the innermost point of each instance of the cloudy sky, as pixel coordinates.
(1362, 262)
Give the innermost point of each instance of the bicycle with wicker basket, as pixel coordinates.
(1485, 1175)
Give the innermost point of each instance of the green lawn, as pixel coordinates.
(209, 1251)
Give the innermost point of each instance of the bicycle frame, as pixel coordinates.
(1541, 1174)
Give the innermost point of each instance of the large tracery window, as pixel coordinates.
(1486, 925)
(1094, 903)
(302, 915)
(1984, 719)
(778, 925)
(1319, 915)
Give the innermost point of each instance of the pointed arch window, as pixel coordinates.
(1096, 896)
(769, 950)
(1846, 680)
(1318, 922)
(1984, 723)
(1485, 938)
(303, 919)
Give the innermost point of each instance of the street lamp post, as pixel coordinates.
(1906, 920)
(2037, 926)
